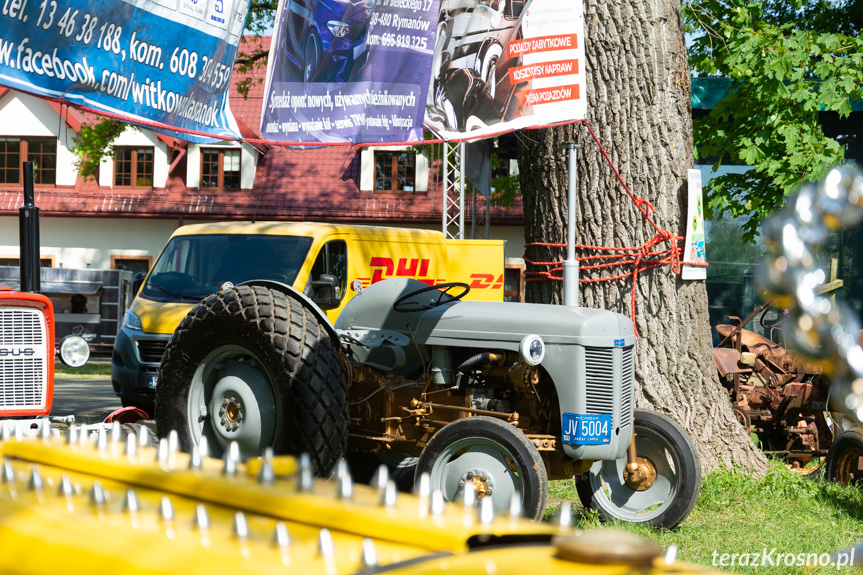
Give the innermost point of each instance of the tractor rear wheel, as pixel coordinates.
(664, 502)
(844, 458)
(252, 365)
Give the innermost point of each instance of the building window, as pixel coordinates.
(134, 264)
(220, 169)
(395, 171)
(133, 167)
(513, 282)
(46, 262)
(15, 151)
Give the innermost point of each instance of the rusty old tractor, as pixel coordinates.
(780, 398)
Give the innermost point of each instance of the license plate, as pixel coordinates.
(151, 383)
(586, 429)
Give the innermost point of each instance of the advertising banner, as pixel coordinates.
(349, 70)
(160, 63)
(506, 64)
(693, 246)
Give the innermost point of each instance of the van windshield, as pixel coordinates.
(192, 267)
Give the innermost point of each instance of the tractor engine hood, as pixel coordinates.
(460, 323)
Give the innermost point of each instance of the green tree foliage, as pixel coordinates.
(93, 143)
(786, 66)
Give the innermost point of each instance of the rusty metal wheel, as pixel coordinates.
(845, 458)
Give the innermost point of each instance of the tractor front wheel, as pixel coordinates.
(489, 456)
(843, 462)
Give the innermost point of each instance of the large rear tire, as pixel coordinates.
(251, 365)
(669, 499)
(843, 458)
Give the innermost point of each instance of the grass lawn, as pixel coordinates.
(90, 370)
(784, 511)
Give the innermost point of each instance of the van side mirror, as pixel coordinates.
(137, 280)
(326, 289)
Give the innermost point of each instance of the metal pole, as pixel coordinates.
(28, 229)
(570, 264)
(461, 191)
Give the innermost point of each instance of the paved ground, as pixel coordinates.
(89, 400)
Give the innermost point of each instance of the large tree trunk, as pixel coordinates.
(638, 94)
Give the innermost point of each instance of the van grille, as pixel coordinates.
(151, 351)
(22, 379)
(599, 379)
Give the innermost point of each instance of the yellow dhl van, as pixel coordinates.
(314, 258)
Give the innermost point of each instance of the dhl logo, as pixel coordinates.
(418, 268)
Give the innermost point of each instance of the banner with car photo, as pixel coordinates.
(165, 64)
(501, 65)
(348, 71)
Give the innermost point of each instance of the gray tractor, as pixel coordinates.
(490, 399)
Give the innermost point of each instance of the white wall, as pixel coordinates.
(25, 115)
(76, 242)
(135, 137)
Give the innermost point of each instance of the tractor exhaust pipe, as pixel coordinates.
(570, 264)
(28, 229)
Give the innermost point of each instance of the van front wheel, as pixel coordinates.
(251, 365)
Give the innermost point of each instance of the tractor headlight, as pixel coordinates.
(74, 351)
(132, 321)
(338, 29)
(532, 349)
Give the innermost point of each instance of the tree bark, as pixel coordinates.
(639, 105)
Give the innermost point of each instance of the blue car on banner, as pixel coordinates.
(325, 40)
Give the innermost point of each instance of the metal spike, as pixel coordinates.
(8, 472)
(305, 477)
(231, 459)
(469, 496)
(83, 436)
(565, 515)
(173, 441)
(515, 506)
(97, 495)
(344, 483)
(36, 483)
(166, 508)
(423, 488)
(102, 440)
(370, 554)
(326, 547)
(162, 452)
(116, 433)
(131, 446)
(382, 477)
(486, 511)
(45, 431)
(19, 435)
(266, 475)
(195, 460)
(5, 434)
(437, 503)
(202, 518)
(143, 437)
(72, 435)
(66, 489)
(241, 526)
(281, 537)
(670, 555)
(389, 495)
(268, 454)
(204, 447)
(130, 502)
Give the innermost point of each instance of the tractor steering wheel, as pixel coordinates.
(402, 305)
